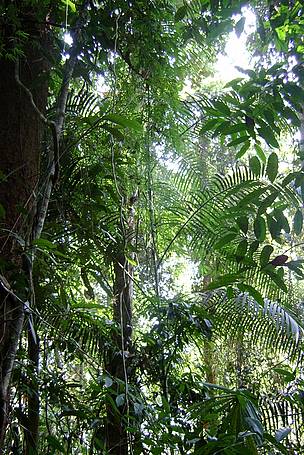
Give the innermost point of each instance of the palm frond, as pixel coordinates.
(86, 332)
(211, 222)
(270, 325)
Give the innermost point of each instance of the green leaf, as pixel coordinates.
(288, 375)
(291, 115)
(274, 226)
(238, 128)
(230, 292)
(242, 223)
(210, 125)
(267, 202)
(298, 222)
(255, 165)
(282, 220)
(253, 247)
(44, 244)
(241, 249)
(70, 4)
(131, 261)
(295, 91)
(116, 133)
(238, 141)
(265, 255)
(260, 153)
(299, 181)
(253, 292)
(222, 108)
(272, 166)
(124, 122)
(252, 197)
(227, 238)
(296, 266)
(242, 150)
(259, 227)
(224, 280)
(55, 443)
(266, 132)
(181, 13)
(276, 278)
(289, 178)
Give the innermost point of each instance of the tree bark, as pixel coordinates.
(116, 431)
(20, 142)
(120, 359)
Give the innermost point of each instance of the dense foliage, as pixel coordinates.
(151, 228)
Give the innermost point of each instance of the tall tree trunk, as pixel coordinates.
(116, 432)
(119, 366)
(20, 139)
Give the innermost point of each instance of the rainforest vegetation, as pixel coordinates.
(151, 218)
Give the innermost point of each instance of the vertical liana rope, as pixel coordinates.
(124, 266)
(152, 223)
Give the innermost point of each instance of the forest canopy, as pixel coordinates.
(151, 227)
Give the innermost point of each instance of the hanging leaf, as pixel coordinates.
(282, 220)
(260, 153)
(266, 132)
(279, 260)
(255, 165)
(259, 227)
(277, 279)
(253, 292)
(230, 292)
(242, 150)
(241, 249)
(299, 181)
(265, 255)
(242, 223)
(272, 166)
(70, 4)
(298, 222)
(287, 375)
(239, 26)
(253, 247)
(238, 128)
(210, 125)
(116, 133)
(296, 266)
(267, 202)
(290, 177)
(274, 227)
